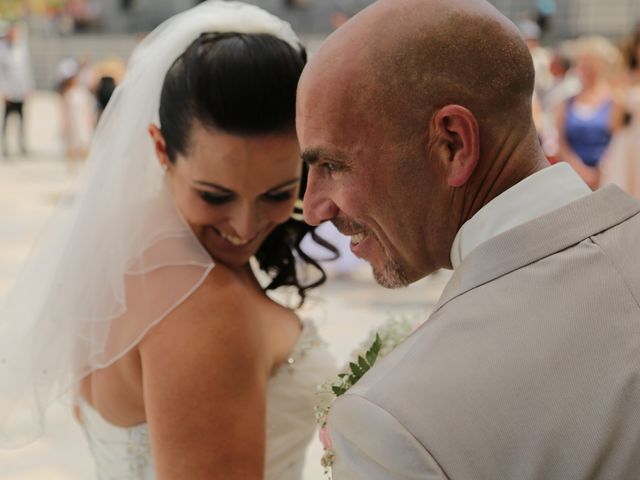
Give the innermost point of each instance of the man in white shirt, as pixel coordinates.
(16, 83)
(415, 119)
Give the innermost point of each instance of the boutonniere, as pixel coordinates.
(379, 344)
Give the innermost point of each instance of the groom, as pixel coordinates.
(415, 118)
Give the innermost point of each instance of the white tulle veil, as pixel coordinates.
(68, 313)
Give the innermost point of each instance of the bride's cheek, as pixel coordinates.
(281, 213)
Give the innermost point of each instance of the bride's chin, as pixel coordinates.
(228, 258)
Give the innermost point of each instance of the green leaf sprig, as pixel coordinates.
(386, 339)
(358, 368)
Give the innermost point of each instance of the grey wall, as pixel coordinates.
(47, 52)
(613, 18)
(147, 14)
(574, 17)
(143, 15)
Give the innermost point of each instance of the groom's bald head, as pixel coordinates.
(405, 58)
(413, 115)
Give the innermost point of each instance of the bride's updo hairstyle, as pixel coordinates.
(243, 84)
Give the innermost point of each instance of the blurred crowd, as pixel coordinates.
(586, 102)
(16, 83)
(586, 105)
(84, 89)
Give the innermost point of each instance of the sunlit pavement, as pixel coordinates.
(345, 309)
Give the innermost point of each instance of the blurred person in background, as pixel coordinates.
(541, 56)
(622, 162)
(16, 82)
(78, 112)
(565, 84)
(546, 10)
(629, 47)
(83, 14)
(531, 32)
(148, 301)
(107, 75)
(587, 121)
(103, 91)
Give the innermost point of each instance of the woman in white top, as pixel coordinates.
(143, 299)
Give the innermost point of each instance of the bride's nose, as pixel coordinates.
(244, 221)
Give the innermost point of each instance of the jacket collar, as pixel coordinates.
(540, 238)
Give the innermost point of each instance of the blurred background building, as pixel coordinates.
(92, 29)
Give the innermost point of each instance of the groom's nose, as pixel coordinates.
(318, 206)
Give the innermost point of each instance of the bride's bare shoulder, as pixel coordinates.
(205, 369)
(221, 282)
(222, 307)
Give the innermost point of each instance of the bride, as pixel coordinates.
(143, 302)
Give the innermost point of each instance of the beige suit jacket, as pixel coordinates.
(529, 367)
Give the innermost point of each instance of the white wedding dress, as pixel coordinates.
(125, 453)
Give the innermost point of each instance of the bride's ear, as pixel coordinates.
(160, 145)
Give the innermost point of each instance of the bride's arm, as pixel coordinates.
(205, 370)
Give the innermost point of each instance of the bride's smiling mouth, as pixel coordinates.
(234, 240)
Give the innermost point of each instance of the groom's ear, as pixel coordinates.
(160, 145)
(457, 142)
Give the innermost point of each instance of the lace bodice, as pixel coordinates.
(125, 453)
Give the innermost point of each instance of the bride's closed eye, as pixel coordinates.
(278, 196)
(215, 199)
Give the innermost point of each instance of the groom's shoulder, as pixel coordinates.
(384, 414)
(402, 376)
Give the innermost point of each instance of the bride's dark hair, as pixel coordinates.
(243, 84)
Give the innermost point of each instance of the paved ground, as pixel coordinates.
(346, 308)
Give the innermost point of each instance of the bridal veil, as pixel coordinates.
(68, 313)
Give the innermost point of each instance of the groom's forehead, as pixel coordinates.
(328, 116)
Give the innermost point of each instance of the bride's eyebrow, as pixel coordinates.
(288, 183)
(213, 185)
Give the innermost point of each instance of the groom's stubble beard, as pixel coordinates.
(392, 275)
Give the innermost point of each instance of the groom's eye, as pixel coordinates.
(331, 167)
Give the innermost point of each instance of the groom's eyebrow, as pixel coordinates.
(313, 155)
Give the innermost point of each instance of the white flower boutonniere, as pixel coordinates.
(379, 343)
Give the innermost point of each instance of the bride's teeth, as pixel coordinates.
(357, 238)
(233, 240)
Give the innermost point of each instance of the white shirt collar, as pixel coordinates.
(536, 195)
